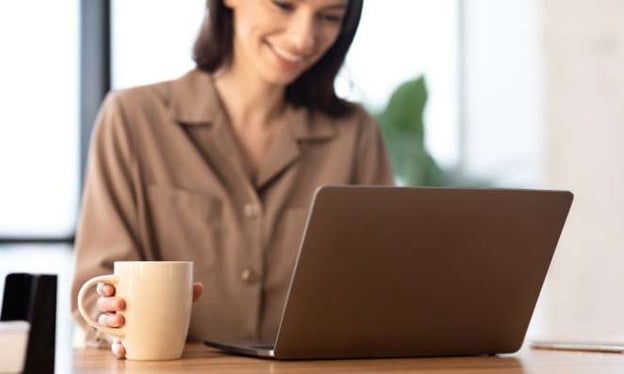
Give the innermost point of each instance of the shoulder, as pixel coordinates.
(138, 97)
(359, 123)
(192, 98)
(363, 118)
(139, 107)
(125, 112)
(358, 117)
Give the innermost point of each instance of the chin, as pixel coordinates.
(282, 79)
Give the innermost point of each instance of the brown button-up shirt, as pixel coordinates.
(166, 181)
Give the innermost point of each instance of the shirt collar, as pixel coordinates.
(195, 101)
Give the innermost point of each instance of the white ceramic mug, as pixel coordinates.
(159, 298)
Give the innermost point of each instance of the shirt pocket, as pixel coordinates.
(186, 225)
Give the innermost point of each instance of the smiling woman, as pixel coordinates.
(219, 166)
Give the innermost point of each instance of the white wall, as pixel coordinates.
(584, 49)
(544, 100)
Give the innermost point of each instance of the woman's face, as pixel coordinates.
(280, 39)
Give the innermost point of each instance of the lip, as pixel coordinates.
(294, 58)
(285, 58)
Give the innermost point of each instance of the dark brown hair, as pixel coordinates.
(314, 89)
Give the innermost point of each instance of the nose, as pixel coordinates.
(302, 34)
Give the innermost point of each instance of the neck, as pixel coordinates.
(249, 101)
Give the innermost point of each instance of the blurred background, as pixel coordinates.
(511, 93)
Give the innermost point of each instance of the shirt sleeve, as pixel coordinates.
(107, 227)
(372, 164)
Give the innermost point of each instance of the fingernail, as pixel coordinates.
(102, 319)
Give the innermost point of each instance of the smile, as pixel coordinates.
(286, 55)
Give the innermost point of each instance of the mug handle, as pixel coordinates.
(110, 279)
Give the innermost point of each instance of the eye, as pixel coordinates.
(332, 18)
(283, 5)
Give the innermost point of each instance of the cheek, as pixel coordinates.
(242, 30)
(329, 34)
(246, 25)
(326, 41)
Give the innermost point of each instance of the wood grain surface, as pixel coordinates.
(201, 359)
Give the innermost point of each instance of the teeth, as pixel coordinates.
(287, 55)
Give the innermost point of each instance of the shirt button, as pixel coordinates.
(247, 275)
(251, 210)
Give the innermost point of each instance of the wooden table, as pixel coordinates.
(200, 359)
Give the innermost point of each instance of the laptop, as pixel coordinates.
(409, 271)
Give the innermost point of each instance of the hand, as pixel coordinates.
(108, 305)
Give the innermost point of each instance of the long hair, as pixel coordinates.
(313, 89)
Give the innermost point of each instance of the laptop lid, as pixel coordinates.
(404, 271)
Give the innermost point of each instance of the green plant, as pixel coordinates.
(404, 133)
(403, 130)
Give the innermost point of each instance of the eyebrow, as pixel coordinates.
(337, 6)
(341, 6)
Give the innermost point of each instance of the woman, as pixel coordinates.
(219, 166)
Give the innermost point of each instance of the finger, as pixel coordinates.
(198, 287)
(105, 289)
(110, 304)
(108, 290)
(111, 319)
(119, 351)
